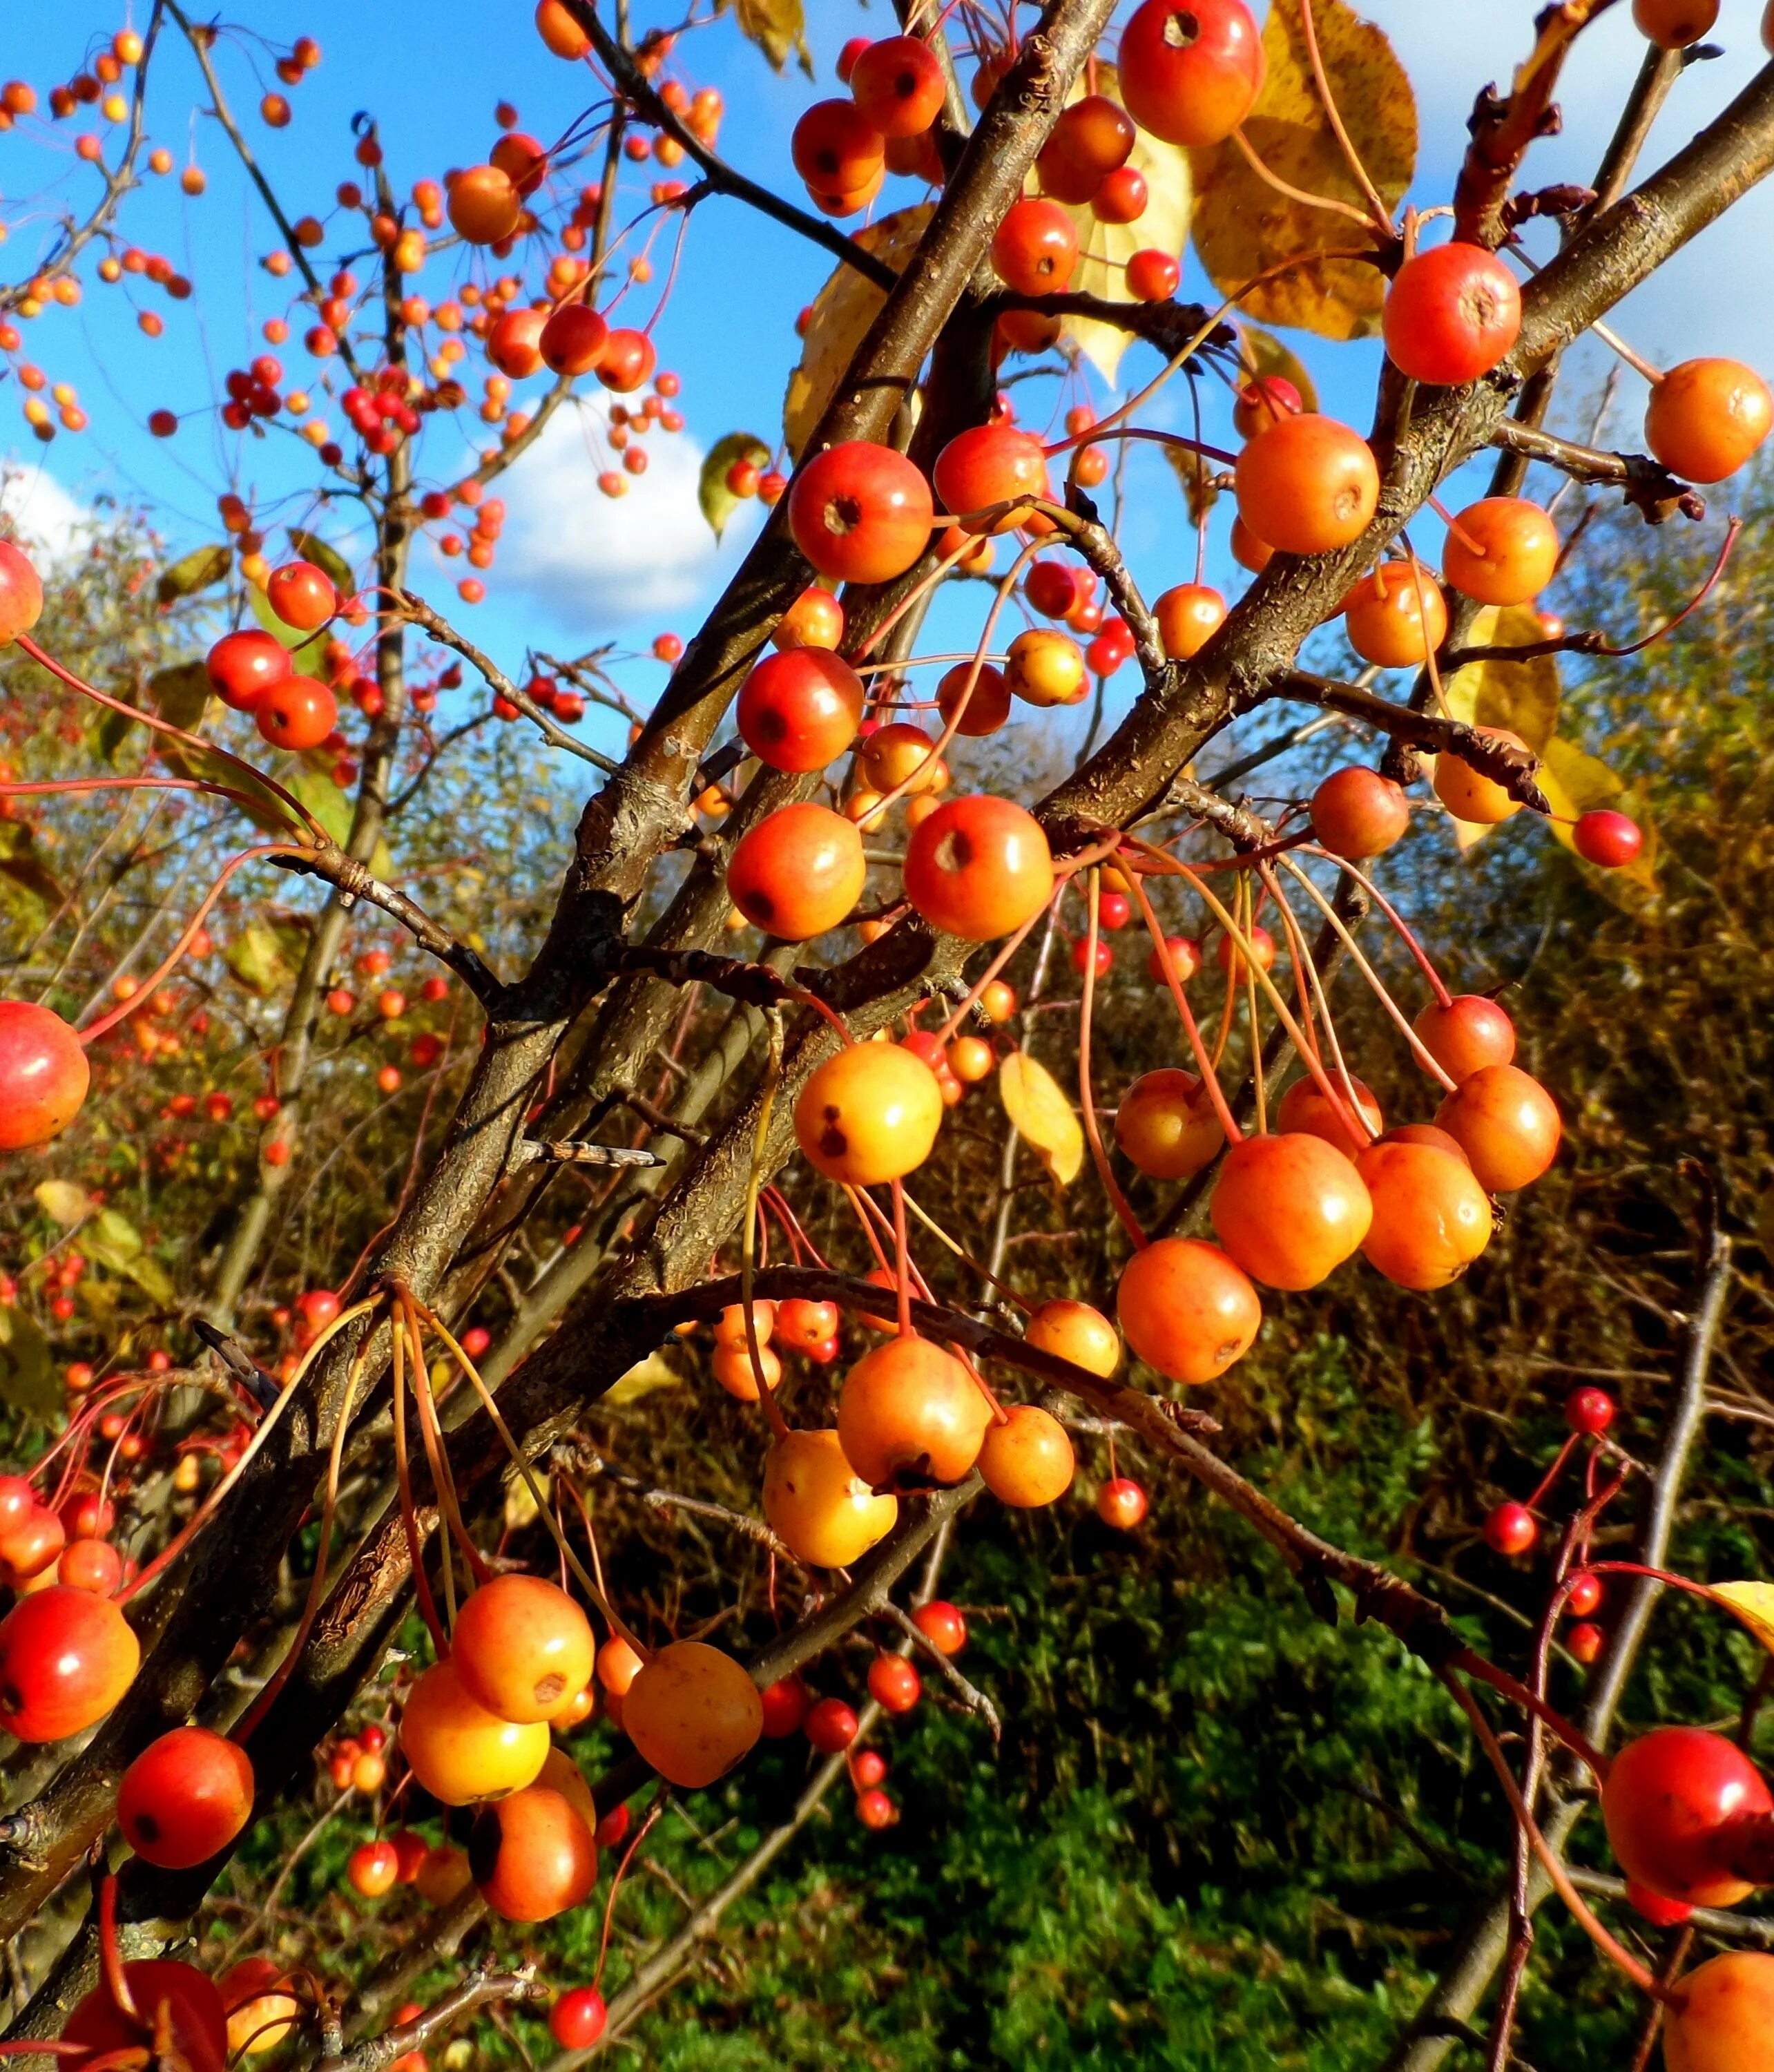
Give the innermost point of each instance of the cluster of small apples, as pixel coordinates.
(252, 671)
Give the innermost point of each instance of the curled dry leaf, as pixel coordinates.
(1035, 1102)
(1243, 224)
(840, 318)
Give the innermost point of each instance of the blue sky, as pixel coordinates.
(575, 568)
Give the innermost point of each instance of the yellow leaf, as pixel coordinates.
(1033, 1101)
(256, 958)
(1576, 783)
(1521, 695)
(1754, 1604)
(63, 1202)
(520, 1510)
(1243, 224)
(840, 318)
(778, 27)
(657, 1371)
(1104, 249)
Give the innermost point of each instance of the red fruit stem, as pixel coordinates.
(641, 1833)
(244, 1732)
(1295, 194)
(106, 1022)
(593, 1590)
(111, 1967)
(212, 1503)
(1521, 1694)
(437, 1451)
(1553, 1473)
(1693, 603)
(1118, 1201)
(1437, 985)
(1549, 1859)
(1306, 1052)
(421, 1583)
(902, 1260)
(1210, 1078)
(1418, 1048)
(748, 1255)
(1382, 215)
(967, 1258)
(1006, 950)
(24, 643)
(922, 588)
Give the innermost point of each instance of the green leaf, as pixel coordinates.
(778, 27)
(717, 500)
(260, 804)
(257, 959)
(153, 1279)
(63, 1202)
(1244, 225)
(19, 862)
(326, 558)
(112, 1239)
(201, 569)
(27, 1380)
(333, 808)
(307, 650)
(180, 694)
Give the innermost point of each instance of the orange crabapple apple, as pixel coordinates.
(899, 753)
(1184, 954)
(987, 465)
(1452, 313)
(1467, 1034)
(1706, 417)
(21, 594)
(1507, 1124)
(910, 1408)
(898, 86)
(1186, 1308)
(832, 1726)
(186, 1796)
(44, 1075)
(978, 867)
(531, 1855)
(67, 1656)
(869, 1114)
(817, 1503)
(974, 699)
(1511, 1529)
(1357, 813)
(1121, 1502)
(1166, 1124)
(1306, 1106)
(1308, 484)
(1044, 667)
(1289, 1208)
(1502, 550)
(692, 1712)
(1035, 247)
(1074, 1331)
(1188, 616)
(834, 148)
(732, 1366)
(799, 709)
(861, 512)
(1671, 24)
(941, 1624)
(1468, 795)
(1191, 70)
(786, 1705)
(1431, 1220)
(1397, 617)
(1722, 2015)
(1230, 957)
(459, 1751)
(522, 1647)
(244, 665)
(1027, 1460)
(1671, 1800)
(814, 620)
(799, 872)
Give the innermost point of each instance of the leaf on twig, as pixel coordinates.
(718, 502)
(1753, 1603)
(20, 862)
(179, 694)
(63, 1202)
(27, 1380)
(657, 1371)
(778, 27)
(257, 959)
(1243, 224)
(1104, 249)
(326, 558)
(1035, 1104)
(840, 318)
(1521, 695)
(200, 569)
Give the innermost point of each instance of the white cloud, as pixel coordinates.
(594, 561)
(35, 505)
